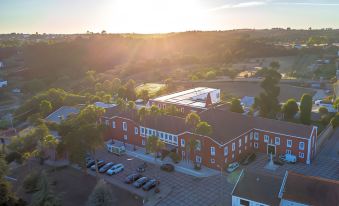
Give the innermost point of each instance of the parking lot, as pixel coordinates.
(182, 189)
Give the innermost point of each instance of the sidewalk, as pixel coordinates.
(180, 167)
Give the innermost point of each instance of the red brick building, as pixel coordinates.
(233, 135)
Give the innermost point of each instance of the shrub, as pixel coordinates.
(30, 182)
(14, 156)
(175, 157)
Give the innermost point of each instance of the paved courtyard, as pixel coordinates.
(183, 189)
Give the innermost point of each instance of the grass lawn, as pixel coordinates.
(72, 185)
(151, 87)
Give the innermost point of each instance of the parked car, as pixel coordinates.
(142, 167)
(132, 178)
(90, 163)
(115, 169)
(149, 185)
(278, 161)
(100, 164)
(167, 167)
(106, 167)
(289, 158)
(233, 166)
(140, 182)
(248, 159)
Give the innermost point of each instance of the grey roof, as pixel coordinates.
(258, 187)
(62, 113)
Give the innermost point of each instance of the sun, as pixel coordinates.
(154, 16)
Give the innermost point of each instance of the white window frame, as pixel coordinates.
(106, 122)
(289, 143)
(198, 145)
(113, 124)
(212, 151)
(240, 142)
(143, 142)
(170, 137)
(301, 155)
(266, 138)
(303, 146)
(182, 110)
(212, 160)
(256, 136)
(182, 142)
(288, 151)
(245, 139)
(256, 145)
(277, 140)
(175, 138)
(251, 135)
(198, 159)
(125, 137)
(233, 146)
(124, 126)
(226, 151)
(136, 131)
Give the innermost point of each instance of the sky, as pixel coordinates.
(161, 16)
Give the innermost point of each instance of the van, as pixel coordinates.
(116, 149)
(289, 158)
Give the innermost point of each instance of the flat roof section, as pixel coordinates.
(62, 113)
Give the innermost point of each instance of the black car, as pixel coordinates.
(142, 167)
(100, 163)
(132, 177)
(278, 161)
(140, 182)
(90, 163)
(167, 167)
(149, 185)
(248, 159)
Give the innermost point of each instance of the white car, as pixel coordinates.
(115, 169)
(233, 166)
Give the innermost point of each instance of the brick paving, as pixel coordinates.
(216, 190)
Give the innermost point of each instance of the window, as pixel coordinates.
(135, 130)
(301, 145)
(125, 137)
(182, 142)
(277, 140)
(161, 135)
(170, 137)
(233, 146)
(240, 151)
(301, 154)
(124, 126)
(164, 106)
(113, 124)
(159, 106)
(239, 142)
(266, 138)
(198, 159)
(143, 142)
(166, 136)
(245, 147)
(212, 151)
(256, 136)
(289, 143)
(154, 133)
(226, 151)
(182, 110)
(175, 139)
(212, 161)
(251, 135)
(107, 122)
(256, 145)
(288, 151)
(244, 202)
(233, 156)
(245, 139)
(198, 145)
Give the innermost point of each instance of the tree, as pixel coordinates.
(323, 110)
(131, 105)
(306, 109)
(236, 106)
(101, 195)
(121, 104)
(154, 145)
(130, 89)
(154, 110)
(45, 107)
(116, 84)
(290, 108)
(335, 121)
(275, 65)
(203, 128)
(267, 102)
(44, 196)
(192, 119)
(144, 95)
(107, 98)
(82, 134)
(142, 113)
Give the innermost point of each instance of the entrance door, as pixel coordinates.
(271, 149)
